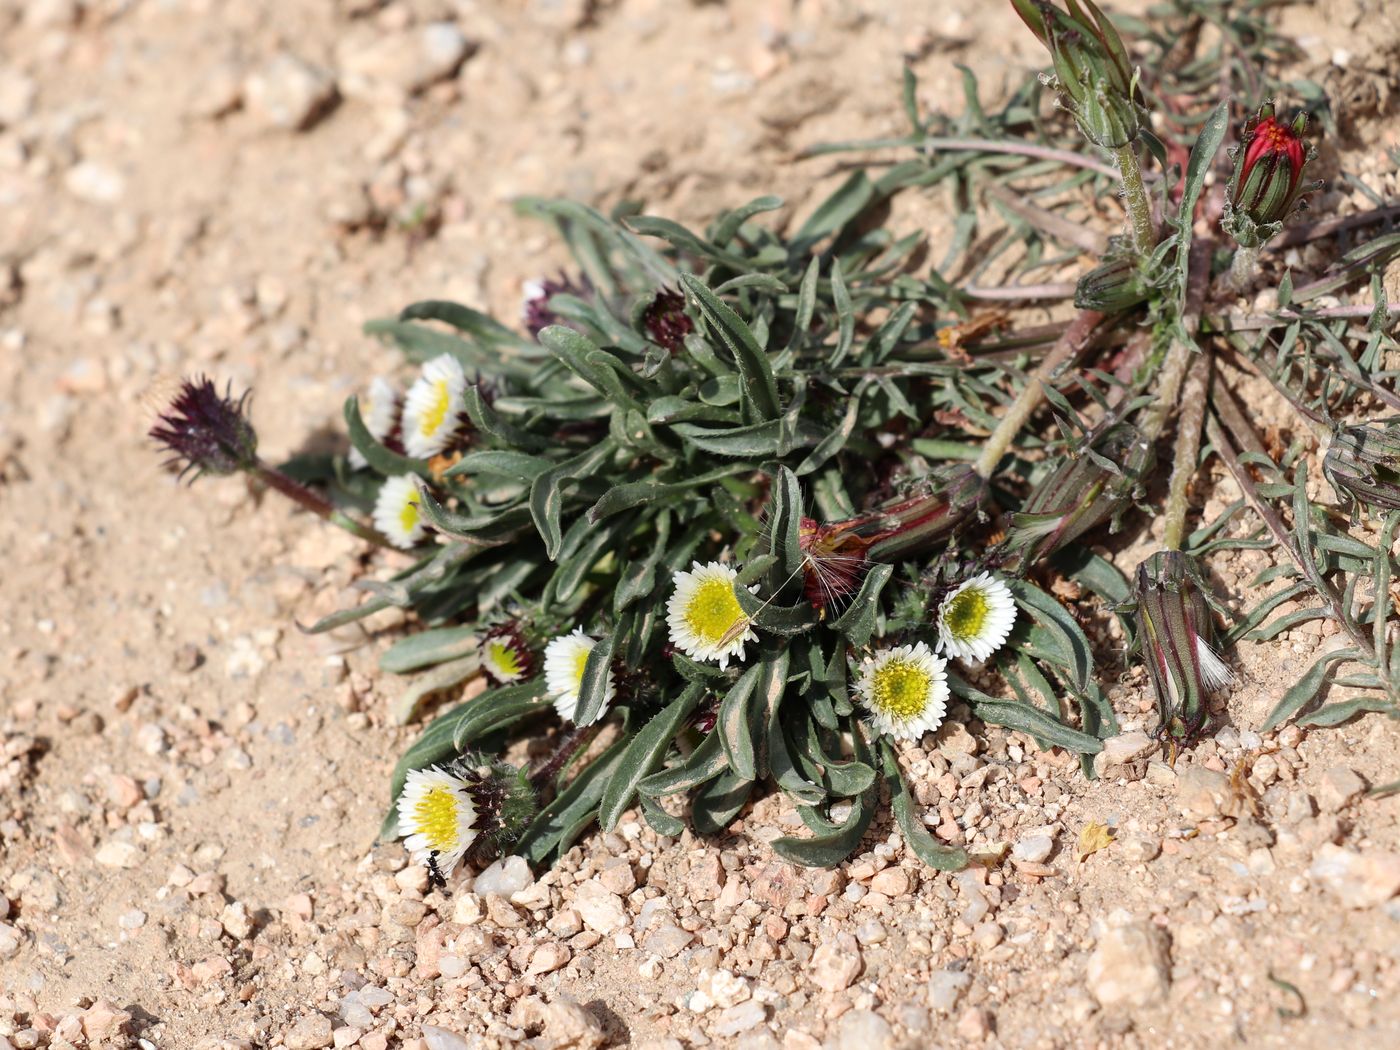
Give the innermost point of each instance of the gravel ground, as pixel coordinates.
(189, 787)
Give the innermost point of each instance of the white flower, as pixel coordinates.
(396, 513)
(704, 615)
(436, 816)
(906, 690)
(433, 407)
(975, 619)
(504, 655)
(565, 658)
(379, 411)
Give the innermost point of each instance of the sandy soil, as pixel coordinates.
(189, 787)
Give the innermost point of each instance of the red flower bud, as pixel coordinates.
(1268, 177)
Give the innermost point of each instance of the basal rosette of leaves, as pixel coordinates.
(818, 413)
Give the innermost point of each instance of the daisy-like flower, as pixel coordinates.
(504, 654)
(380, 413)
(438, 813)
(975, 619)
(704, 615)
(565, 659)
(396, 512)
(906, 690)
(433, 406)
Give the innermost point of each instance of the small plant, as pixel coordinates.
(749, 505)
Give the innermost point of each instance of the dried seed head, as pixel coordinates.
(1176, 635)
(206, 432)
(665, 321)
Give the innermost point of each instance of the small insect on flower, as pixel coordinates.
(397, 514)
(704, 616)
(207, 432)
(380, 412)
(905, 689)
(975, 619)
(565, 660)
(438, 814)
(504, 654)
(432, 411)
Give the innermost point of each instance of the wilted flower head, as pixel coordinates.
(1083, 492)
(444, 810)
(1363, 465)
(1092, 70)
(953, 495)
(1113, 286)
(704, 616)
(207, 432)
(1268, 177)
(905, 689)
(665, 321)
(505, 656)
(975, 618)
(1176, 636)
(565, 660)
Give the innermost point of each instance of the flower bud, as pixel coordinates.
(1092, 71)
(1268, 177)
(1363, 466)
(1083, 492)
(206, 432)
(665, 321)
(1112, 286)
(1175, 633)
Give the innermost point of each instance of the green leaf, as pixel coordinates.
(717, 802)
(728, 226)
(783, 533)
(1208, 140)
(845, 316)
(502, 463)
(735, 724)
(547, 496)
(427, 648)
(1305, 689)
(1336, 714)
(706, 762)
(916, 835)
(760, 388)
(845, 204)
(443, 676)
(380, 459)
(465, 319)
(487, 421)
(581, 356)
(1028, 719)
(560, 823)
(857, 623)
(644, 754)
(1057, 620)
(592, 691)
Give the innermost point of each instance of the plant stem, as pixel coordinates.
(315, 503)
(1188, 448)
(1243, 266)
(1013, 292)
(1075, 339)
(577, 738)
(1179, 355)
(1144, 237)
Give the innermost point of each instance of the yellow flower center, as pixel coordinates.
(900, 689)
(966, 615)
(505, 660)
(580, 665)
(434, 417)
(713, 611)
(435, 818)
(408, 514)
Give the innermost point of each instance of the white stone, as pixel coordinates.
(117, 854)
(1129, 967)
(600, 909)
(288, 92)
(1033, 848)
(862, 1030)
(504, 877)
(1357, 880)
(945, 988)
(95, 183)
(441, 1039)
